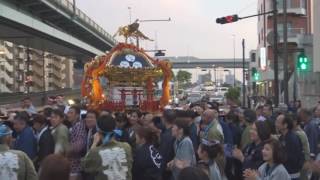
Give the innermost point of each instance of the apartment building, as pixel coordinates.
(29, 70)
(299, 30)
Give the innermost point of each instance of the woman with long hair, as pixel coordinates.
(147, 162)
(273, 168)
(251, 157)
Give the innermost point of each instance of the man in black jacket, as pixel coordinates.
(292, 146)
(167, 140)
(44, 138)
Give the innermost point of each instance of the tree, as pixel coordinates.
(183, 77)
(233, 95)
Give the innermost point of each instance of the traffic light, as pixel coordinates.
(247, 76)
(227, 19)
(303, 62)
(255, 74)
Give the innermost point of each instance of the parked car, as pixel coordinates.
(194, 97)
(219, 99)
(220, 91)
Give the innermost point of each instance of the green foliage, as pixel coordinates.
(183, 77)
(233, 93)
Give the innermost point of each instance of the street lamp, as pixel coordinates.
(197, 73)
(215, 75)
(234, 60)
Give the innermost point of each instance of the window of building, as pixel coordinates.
(289, 4)
(290, 28)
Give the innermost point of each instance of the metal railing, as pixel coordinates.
(292, 32)
(4, 88)
(68, 6)
(7, 65)
(58, 65)
(291, 4)
(8, 79)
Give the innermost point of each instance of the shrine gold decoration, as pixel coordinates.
(91, 87)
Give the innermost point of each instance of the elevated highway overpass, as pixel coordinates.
(56, 26)
(189, 62)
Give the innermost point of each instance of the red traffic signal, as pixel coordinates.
(227, 19)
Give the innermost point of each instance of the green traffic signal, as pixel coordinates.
(303, 62)
(256, 76)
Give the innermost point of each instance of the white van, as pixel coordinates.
(221, 91)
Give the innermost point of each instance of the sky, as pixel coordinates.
(192, 31)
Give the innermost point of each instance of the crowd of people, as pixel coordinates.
(194, 141)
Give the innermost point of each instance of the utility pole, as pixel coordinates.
(234, 60)
(28, 68)
(295, 84)
(285, 54)
(275, 53)
(235, 18)
(243, 74)
(44, 78)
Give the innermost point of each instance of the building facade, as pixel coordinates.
(316, 35)
(29, 70)
(299, 33)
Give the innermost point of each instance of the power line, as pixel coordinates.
(254, 2)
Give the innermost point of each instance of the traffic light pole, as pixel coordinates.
(243, 74)
(275, 53)
(285, 54)
(245, 17)
(295, 85)
(295, 75)
(234, 18)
